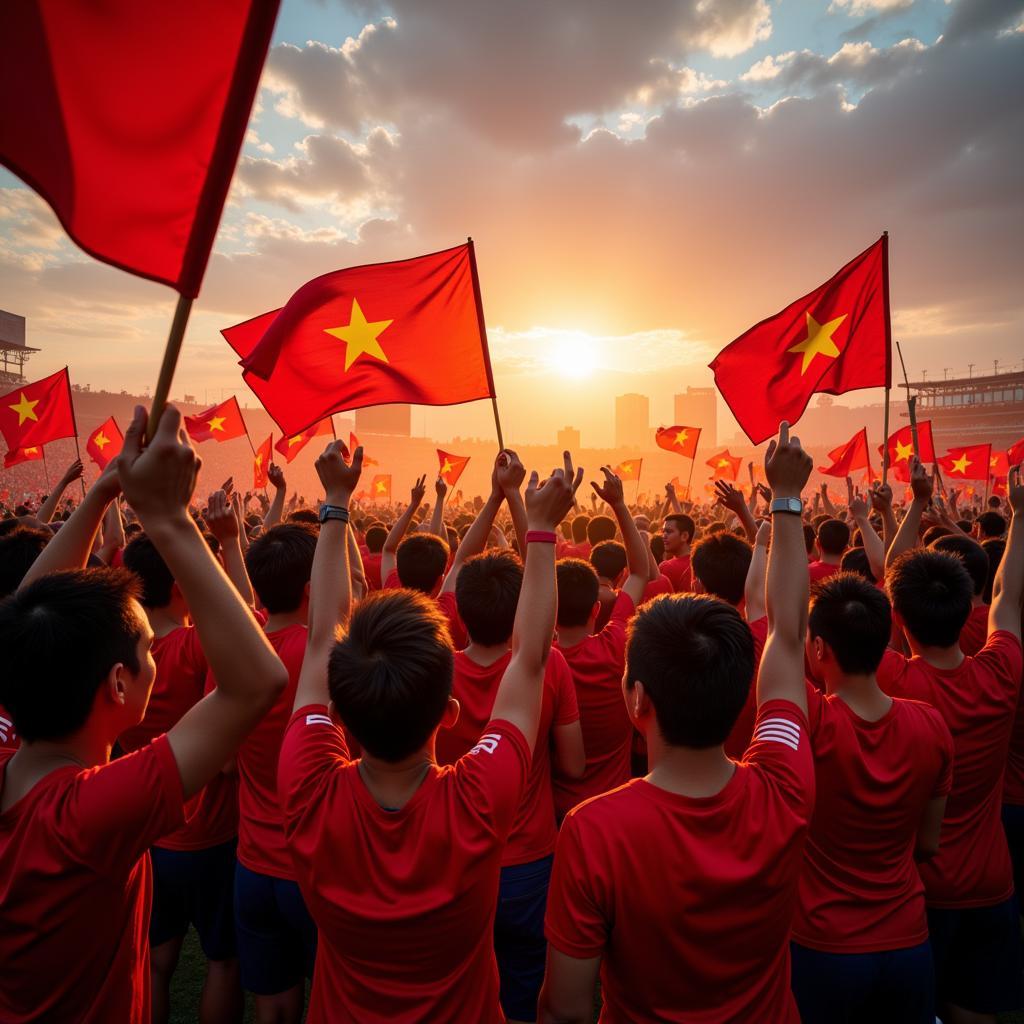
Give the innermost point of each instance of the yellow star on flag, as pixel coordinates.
(818, 341)
(994, 461)
(722, 463)
(293, 441)
(960, 465)
(903, 452)
(31, 451)
(682, 436)
(627, 469)
(446, 468)
(25, 409)
(101, 441)
(259, 459)
(360, 336)
(217, 423)
(381, 486)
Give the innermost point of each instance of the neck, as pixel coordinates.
(687, 771)
(486, 654)
(861, 693)
(827, 559)
(81, 748)
(977, 602)
(393, 785)
(281, 620)
(570, 636)
(164, 620)
(937, 657)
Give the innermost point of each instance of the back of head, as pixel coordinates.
(856, 560)
(579, 528)
(991, 525)
(971, 553)
(810, 537)
(304, 515)
(695, 658)
(994, 551)
(61, 636)
(391, 676)
(143, 559)
(853, 617)
(280, 563)
(931, 591)
(833, 537)
(608, 559)
(720, 561)
(18, 551)
(421, 561)
(933, 533)
(577, 591)
(601, 528)
(487, 594)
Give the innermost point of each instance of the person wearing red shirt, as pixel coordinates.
(75, 827)
(883, 769)
(680, 887)
(608, 558)
(398, 858)
(972, 554)
(833, 538)
(678, 531)
(972, 910)
(376, 535)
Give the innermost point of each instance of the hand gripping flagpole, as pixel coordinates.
(483, 338)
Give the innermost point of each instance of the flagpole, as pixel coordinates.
(888, 361)
(46, 469)
(483, 335)
(253, 447)
(689, 479)
(170, 361)
(911, 404)
(74, 424)
(885, 441)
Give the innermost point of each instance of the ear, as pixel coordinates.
(116, 684)
(696, 585)
(638, 704)
(595, 611)
(305, 590)
(451, 714)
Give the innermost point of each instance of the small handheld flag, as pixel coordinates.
(220, 423)
(105, 442)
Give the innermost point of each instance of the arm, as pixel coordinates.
(276, 476)
(48, 507)
(511, 476)
(873, 546)
(1009, 582)
(636, 549)
(653, 572)
(113, 534)
(927, 844)
(568, 993)
(906, 537)
(826, 504)
(397, 532)
(728, 497)
(569, 756)
(355, 564)
(881, 502)
(476, 536)
(437, 516)
(754, 601)
(781, 675)
(159, 482)
(671, 501)
(223, 524)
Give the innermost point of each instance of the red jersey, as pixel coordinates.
(597, 663)
(860, 891)
(743, 728)
(1013, 781)
(655, 588)
(8, 736)
(662, 585)
(371, 570)
(977, 701)
(975, 631)
(404, 899)
(261, 843)
(689, 901)
(822, 570)
(678, 571)
(75, 888)
(475, 687)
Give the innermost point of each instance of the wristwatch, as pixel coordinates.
(333, 512)
(793, 505)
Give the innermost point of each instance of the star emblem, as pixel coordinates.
(722, 463)
(25, 409)
(903, 452)
(101, 441)
(682, 436)
(217, 423)
(360, 336)
(446, 468)
(381, 486)
(293, 441)
(627, 469)
(31, 451)
(960, 465)
(818, 341)
(259, 459)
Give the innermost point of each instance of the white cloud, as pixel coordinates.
(860, 8)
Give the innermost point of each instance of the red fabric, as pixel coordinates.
(75, 888)
(8, 735)
(105, 442)
(689, 901)
(822, 570)
(1015, 453)
(977, 700)
(662, 585)
(132, 146)
(404, 900)
(766, 375)
(677, 569)
(371, 570)
(455, 463)
(220, 423)
(629, 470)
(860, 891)
(724, 465)
(1013, 782)
(380, 487)
(966, 463)
(681, 440)
(975, 631)
(18, 455)
(475, 687)
(429, 349)
(289, 447)
(37, 413)
(261, 463)
(901, 447)
(597, 663)
(999, 465)
(450, 609)
(849, 457)
(743, 728)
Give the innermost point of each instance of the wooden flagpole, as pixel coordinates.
(483, 336)
(689, 478)
(885, 440)
(911, 404)
(170, 361)
(74, 424)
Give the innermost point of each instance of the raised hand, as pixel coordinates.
(922, 484)
(881, 497)
(859, 507)
(764, 493)
(72, 473)
(670, 491)
(158, 481)
(339, 477)
(547, 503)
(764, 533)
(612, 492)
(275, 474)
(1015, 491)
(220, 516)
(440, 489)
(108, 483)
(229, 485)
(509, 471)
(728, 497)
(787, 467)
(418, 491)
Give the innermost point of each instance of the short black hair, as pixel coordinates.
(579, 528)
(280, 563)
(421, 561)
(18, 551)
(608, 558)
(933, 533)
(601, 528)
(390, 677)
(991, 524)
(854, 618)
(143, 559)
(61, 635)
(684, 524)
(932, 592)
(994, 551)
(695, 657)
(578, 588)
(376, 534)
(856, 560)
(304, 515)
(971, 553)
(487, 594)
(658, 546)
(833, 537)
(720, 561)
(809, 537)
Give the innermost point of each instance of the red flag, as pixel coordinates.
(966, 463)
(849, 457)
(18, 455)
(105, 442)
(901, 447)
(629, 470)
(409, 331)
(261, 463)
(726, 466)
(127, 118)
(451, 466)
(38, 413)
(681, 440)
(289, 447)
(833, 340)
(1015, 453)
(353, 444)
(999, 464)
(221, 423)
(380, 487)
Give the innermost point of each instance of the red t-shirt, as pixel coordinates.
(371, 570)
(75, 888)
(261, 843)
(662, 585)
(1013, 781)
(475, 687)
(597, 663)
(743, 728)
(822, 570)
(977, 701)
(678, 571)
(860, 891)
(404, 899)
(975, 631)
(655, 588)
(8, 737)
(688, 901)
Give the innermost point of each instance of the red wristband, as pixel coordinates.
(541, 537)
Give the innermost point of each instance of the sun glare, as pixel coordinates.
(573, 354)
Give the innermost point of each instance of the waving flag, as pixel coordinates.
(1015, 453)
(901, 447)
(38, 413)
(967, 463)
(450, 467)
(220, 423)
(681, 440)
(289, 447)
(105, 442)
(18, 455)
(261, 463)
(849, 457)
(629, 470)
(380, 487)
(725, 466)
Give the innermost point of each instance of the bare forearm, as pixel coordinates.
(889, 528)
(1008, 587)
(826, 504)
(476, 536)
(746, 519)
(72, 544)
(276, 510)
(398, 531)
(49, 507)
(906, 535)
(873, 547)
(754, 589)
(517, 510)
(636, 549)
(234, 566)
(788, 583)
(437, 520)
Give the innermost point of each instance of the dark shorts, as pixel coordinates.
(895, 986)
(519, 943)
(1013, 826)
(195, 887)
(276, 935)
(977, 954)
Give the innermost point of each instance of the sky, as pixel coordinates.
(643, 183)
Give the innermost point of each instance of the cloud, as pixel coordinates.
(859, 8)
(975, 17)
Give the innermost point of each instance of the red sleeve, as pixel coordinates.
(313, 747)
(491, 777)
(196, 655)
(575, 922)
(1002, 656)
(613, 636)
(447, 603)
(567, 709)
(781, 749)
(392, 582)
(891, 673)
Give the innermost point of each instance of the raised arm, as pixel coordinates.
(671, 500)
(397, 532)
(881, 502)
(636, 550)
(48, 507)
(1008, 587)
(276, 476)
(873, 546)
(113, 537)
(906, 536)
(355, 566)
(476, 536)
(511, 475)
(437, 515)
(728, 497)
(826, 503)
(781, 675)
(223, 524)
(753, 591)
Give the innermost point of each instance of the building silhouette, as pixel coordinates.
(632, 421)
(699, 408)
(569, 439)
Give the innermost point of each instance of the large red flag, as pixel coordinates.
(970, 462)
(38, 413)
(726, 466)
(451, 466)
(833, 340)
(681, 440)
(289, 447)
(353, 444)
(849, 457)
(261, 463)
(1015, 453)
(18, 455)
(221, 423)
(127, 118)
(409, 331)
(901, 447)
(105, 442)
(998, 465)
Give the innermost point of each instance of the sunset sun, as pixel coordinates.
(573, 354)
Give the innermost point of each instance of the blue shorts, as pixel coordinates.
(519, 944)
(195, 887)
(977, 955)
(276, 935)
(894, 986)
(1013, 826)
